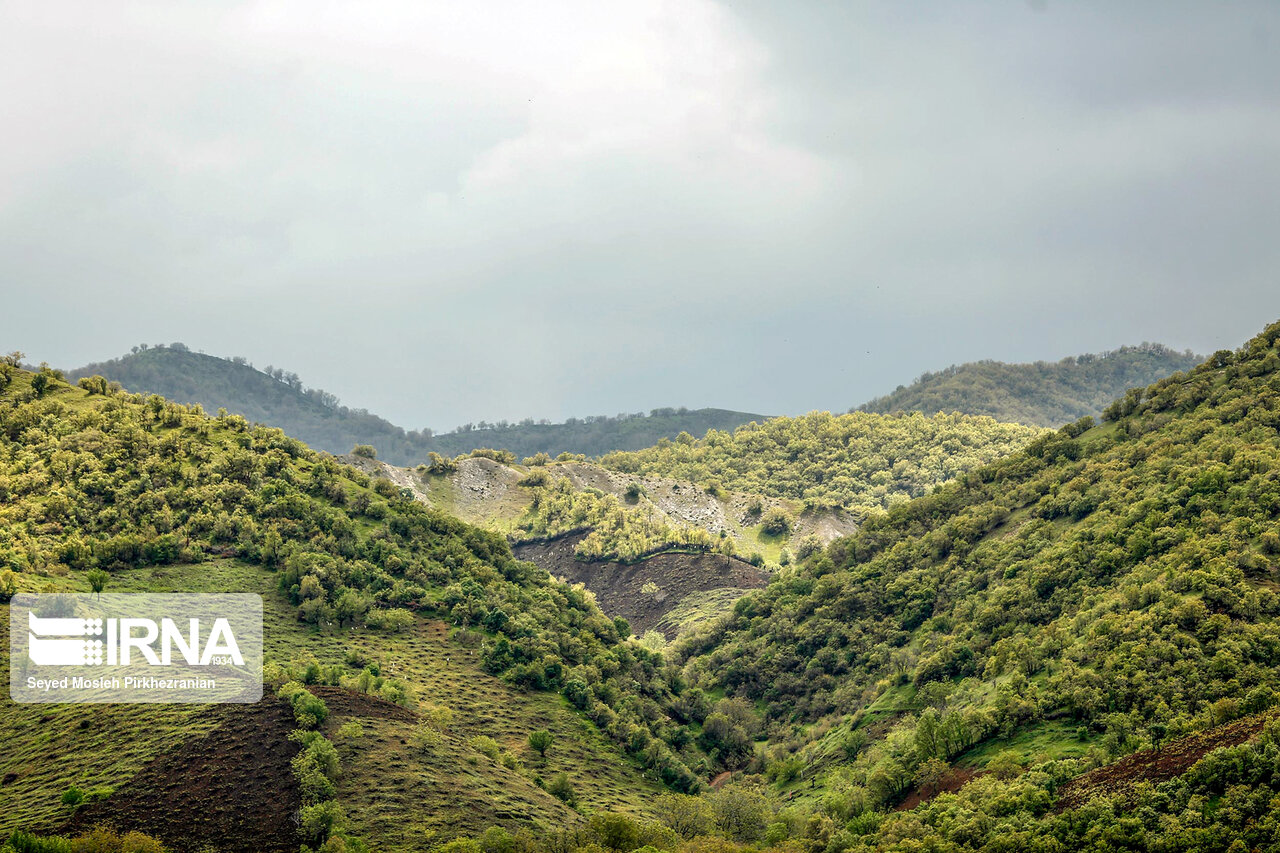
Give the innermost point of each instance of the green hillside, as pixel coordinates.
(1072, 647)
(1047, 394)
(161, 496)
(1110, 589)
(858, 461)
(277, 398)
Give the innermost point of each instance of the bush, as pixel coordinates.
(776, 522)
(392, 619)
(616, 831)
(486, 746)
(366, 451)
(320, 821)
(22, 842)
(308, 709)
(497, 840)
(506, 457)
(73, 796)
(562, 789)
(534, 478)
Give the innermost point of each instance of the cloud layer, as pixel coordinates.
(448, 212)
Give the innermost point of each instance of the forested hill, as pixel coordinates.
(1111, 588)
(94, 478)
(1047, 394)
(858, 461)
(593, 435)
(278, 398)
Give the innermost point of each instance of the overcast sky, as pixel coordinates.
(446, 212)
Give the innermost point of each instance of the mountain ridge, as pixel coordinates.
(1040, 393)
(277, 398)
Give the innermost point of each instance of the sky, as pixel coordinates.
(452, 212)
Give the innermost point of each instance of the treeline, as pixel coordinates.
(857, 461)
(1110, 586)
(592, 436)
(1047, 394)
(93, 480)
(278, 398)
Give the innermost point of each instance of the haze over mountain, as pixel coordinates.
(278, 398)
(1047, 394)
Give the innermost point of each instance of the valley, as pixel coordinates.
(862, 658)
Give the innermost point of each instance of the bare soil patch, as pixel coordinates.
(953, 781)
(1158, 765)
(619, 587)
(231, 789)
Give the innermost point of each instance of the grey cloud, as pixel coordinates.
(447, 213)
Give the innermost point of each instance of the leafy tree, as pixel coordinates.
(97, 580)
(540, 741)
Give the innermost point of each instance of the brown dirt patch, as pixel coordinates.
(348, 703)
(618, 586)
(953, 781)
(229, 790)
(1158, 765)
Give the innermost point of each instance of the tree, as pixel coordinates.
(366, 451)
(776, 522)
(8, 584)
(740, 812)
(686, 815)
(541, 741)
(98, 580)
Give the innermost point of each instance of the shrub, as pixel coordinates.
(534, 478)
(505, 457)
(536, 460)
(22, 842)
(392, 619)
(425, 738)
(562, 789)
(321, 820)
(776, 522)
(486, 746)
(366, 451)
(440, 464)
(73, 796)
(616, 831)
(497, 840)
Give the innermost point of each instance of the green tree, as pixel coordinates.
(97, 580)
(540, 741)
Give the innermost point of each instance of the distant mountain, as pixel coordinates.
(277, 397)
(1047, 394)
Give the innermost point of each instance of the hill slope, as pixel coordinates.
(1110, 588)
(166, 498)
(1047, 394)
(277, 398)
(861, 462)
